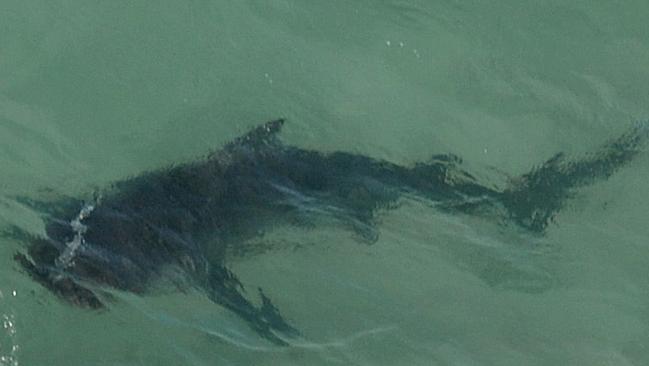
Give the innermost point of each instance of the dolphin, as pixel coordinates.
(184, 218)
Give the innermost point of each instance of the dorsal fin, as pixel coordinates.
(260, 135)
(256, 140)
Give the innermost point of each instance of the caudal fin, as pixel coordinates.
(534, 198)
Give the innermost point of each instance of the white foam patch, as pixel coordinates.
(65, 259)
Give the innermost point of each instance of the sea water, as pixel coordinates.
(96, 91)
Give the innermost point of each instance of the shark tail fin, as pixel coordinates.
(533, 199)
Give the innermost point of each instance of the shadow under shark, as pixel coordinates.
(183, 219)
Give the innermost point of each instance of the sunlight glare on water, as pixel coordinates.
(9, 348)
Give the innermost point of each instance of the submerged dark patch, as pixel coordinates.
(187, 217)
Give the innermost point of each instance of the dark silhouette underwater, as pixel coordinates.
(184, 219)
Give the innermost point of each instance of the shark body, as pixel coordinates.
(183, 219)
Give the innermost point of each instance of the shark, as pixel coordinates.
(178, 223)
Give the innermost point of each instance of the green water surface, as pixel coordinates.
(96, 91)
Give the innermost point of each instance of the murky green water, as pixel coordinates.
(91, 92)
